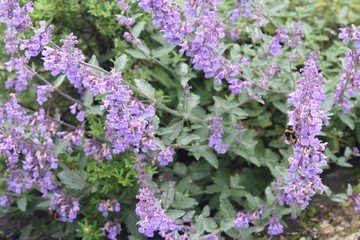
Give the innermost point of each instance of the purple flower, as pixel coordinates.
(130, 38)
(355, 199)
(97, 150)
(23, 74)
(108, 206)
(66, 207)
(349, 84)
(14, 16)
(5, 200)
(166, 156)
(124, 5)
(152, 216)
(44, 93)
(306, 120)
(275, 47)
(112, 229)
(216, 134)
(242, 220)
(143, 178)
(275, 227)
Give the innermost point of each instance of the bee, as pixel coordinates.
(290, 135)
(54, 214)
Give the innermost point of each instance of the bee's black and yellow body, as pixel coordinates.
(54, 214)
(290, 135)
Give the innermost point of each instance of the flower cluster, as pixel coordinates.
(350, 76)
(355, 199)
(244, 219)
(197, 36)
(65, 207)
(152, 216)
(243, 7)
(306, 120)
(143, 178)
(108, 206)
(26, 141)
(112, 229)
(290, 37)
(43, 93)
(216, 135)
(166, 156)
(275, 227)
(97, 150)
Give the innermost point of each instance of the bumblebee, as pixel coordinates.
(290, 135)
(54, 214)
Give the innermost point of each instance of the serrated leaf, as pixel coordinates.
(61, 146)
(120, 63)
(73, 180)
(59, 80)
(226, 224)
(227, 209)
(159, 52)
(137, 29)
(185, 140)
(88, 99)
(21, 203)
(145, 87)
(211, 158)
(94, 110)
(184, 203)
(347, 120)
(136, 53)
(180, 169)
(174, 213)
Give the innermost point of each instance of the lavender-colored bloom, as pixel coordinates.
(216, 135)
(130, 38)
(14, 16)
(29, 163)
(307, 120)
(355, 199)
(275, 47)
(66, 207)
(166, 156)
(43, 93)
(349, 83)
(108, 206)
(242, 220)
(35, 45)
(124, 21)
(152, 216)
(97, 150)
(24, 75)
(5, 200)
(143, 178)
(74, 137)
(275, 227)
(112, 229)
(124, 5)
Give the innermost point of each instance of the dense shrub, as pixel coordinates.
(166, 119)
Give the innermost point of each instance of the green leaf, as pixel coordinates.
(43, 204)
(227, 209)
(21, 203)
(159, 52)
(73, 180)
(180, 169)
(349, 190)
(174, 213)
(88, 99)
(136, 53)
(120, 63)
(25, 232)
(59, 80)
(226, 224)
(347, 120)
(211, 158)
(186, 139)
(60, 146)
(137, 29)
(94, 110)
(340, 197)
(206, 211)
(145, 87)
(182, 202)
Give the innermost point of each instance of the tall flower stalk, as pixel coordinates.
(306, 119)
